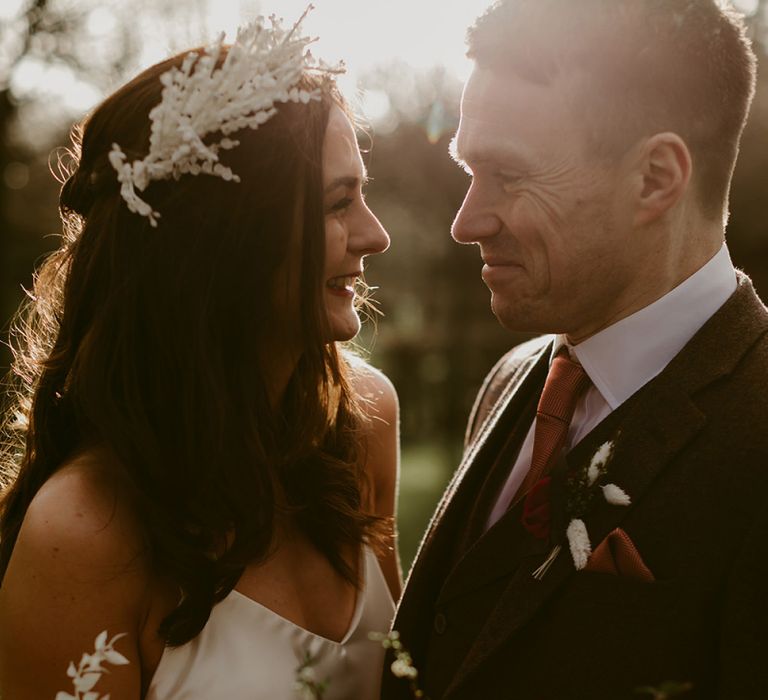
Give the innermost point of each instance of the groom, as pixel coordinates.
(607, 529)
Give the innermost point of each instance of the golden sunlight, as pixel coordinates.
(370, 33)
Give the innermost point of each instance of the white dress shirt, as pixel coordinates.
(624, 357)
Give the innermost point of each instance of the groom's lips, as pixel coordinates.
(493, 261)
(496, 269)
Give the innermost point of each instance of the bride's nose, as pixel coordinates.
(368, 236)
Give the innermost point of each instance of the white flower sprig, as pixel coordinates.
(615, 495)
(260, 70)
(402, 666)
(307, 682)
(87, 673)
(578, 541)
(599, 462)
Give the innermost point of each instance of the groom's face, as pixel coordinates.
(547, 215)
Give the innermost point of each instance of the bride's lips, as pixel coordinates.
(343, 285)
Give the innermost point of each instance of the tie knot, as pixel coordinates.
(566, 382)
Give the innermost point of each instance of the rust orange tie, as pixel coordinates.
(565, 383)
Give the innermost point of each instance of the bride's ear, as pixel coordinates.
(665, 167)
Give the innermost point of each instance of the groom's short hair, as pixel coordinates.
(651, 66)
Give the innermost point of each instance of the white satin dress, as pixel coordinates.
(248, 652)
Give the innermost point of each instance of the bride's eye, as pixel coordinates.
(342, 204)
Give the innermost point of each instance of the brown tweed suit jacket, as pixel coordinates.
(692, 452)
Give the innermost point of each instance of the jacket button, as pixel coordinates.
(441, 623)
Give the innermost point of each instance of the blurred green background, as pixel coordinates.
(437, 337)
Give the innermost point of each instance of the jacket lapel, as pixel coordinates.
(531, 371)
(659, 421)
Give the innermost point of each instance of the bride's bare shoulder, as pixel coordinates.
(84, 511)
(375, 391)
(378, 399)
(77, 569)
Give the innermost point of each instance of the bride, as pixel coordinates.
(201, 481)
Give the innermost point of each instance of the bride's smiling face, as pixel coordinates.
(351, 229)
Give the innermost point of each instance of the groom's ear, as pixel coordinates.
(664, 169)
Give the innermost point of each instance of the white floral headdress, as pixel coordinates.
(261, 69)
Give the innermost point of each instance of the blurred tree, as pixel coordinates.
(57, 58)
(41, 34)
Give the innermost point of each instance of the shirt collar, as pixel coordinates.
(625, 356)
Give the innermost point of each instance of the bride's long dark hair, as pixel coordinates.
(149, 341)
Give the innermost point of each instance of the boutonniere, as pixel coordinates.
(582, 488)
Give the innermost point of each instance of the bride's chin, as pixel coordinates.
(344, 327)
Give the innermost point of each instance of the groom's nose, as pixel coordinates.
(475, 220)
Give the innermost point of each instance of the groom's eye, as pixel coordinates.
(509, 180)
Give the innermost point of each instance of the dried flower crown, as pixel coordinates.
(261, 69)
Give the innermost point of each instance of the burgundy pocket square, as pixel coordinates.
(617, 555)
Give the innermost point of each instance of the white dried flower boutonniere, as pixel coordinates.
(578, 541)
(615, 495)
(87, 673)
(599, 462)
(582, 489)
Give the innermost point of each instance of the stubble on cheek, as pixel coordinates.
(537, 298)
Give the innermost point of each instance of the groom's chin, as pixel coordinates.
(515, 317)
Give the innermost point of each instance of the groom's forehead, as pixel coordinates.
(504, 107)
(498, 97)
(476, 143)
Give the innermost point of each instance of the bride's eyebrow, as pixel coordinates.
(346, 181)
(349, 181)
